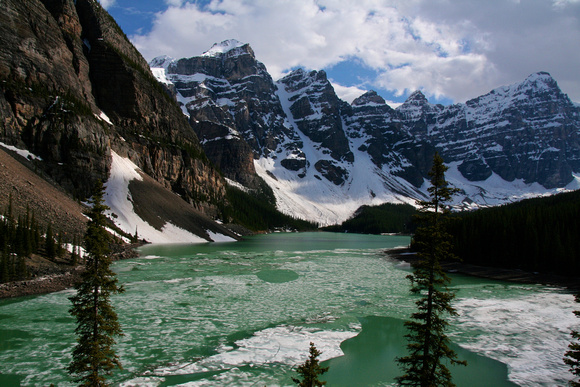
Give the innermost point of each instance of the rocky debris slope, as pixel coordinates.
(30, 192)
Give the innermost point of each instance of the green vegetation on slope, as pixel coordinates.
(385, 218)
(540, 234)
(20, 238)
(257, 211)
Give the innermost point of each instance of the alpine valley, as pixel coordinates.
(170, 136)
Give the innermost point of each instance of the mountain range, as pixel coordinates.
(325, 157)
(170, 136)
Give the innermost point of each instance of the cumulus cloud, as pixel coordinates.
(456, 50)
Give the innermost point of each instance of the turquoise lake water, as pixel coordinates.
(243, 314)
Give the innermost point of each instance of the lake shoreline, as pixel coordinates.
(495, 273)
(63, 277)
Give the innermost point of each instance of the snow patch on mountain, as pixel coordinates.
(494, 190)
(103, 117)
(223, 47)
(160, 74)
(325, 158)
(318, 200)
(305, 194)
(22, 152)
(118, 198)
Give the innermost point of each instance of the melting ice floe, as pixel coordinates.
(118, 198)
(287, 345)
(529, 333)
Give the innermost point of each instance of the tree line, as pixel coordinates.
(22, 236)
(538, 234)
(258, 212)
(384, 218)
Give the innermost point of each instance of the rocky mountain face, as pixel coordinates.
(526, 131)
(73, 88)
(297, 128)
(231, 103)
(316, 112)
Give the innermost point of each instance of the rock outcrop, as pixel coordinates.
(526, 131)
(232, 106)
(72, 87)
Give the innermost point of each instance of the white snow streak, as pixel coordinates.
(118, 198)
(22, 152)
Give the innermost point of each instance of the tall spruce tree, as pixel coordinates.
(572, 356)
(94, 357)
(425, 365)
(310, 370)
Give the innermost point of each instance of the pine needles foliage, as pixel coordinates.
(310, 370)
(539, 234)
(428, 345)
(19, 238)
(94, 357)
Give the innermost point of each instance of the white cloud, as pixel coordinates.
(107, 3)
(454, 49)
(347, 93)
(564, 3)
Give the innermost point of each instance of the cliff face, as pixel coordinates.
(72, 87)
(231, 101)
(46, 101)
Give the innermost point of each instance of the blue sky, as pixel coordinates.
(451, 50)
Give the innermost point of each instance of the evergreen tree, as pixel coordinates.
(27, 234)
(310, 370)
(427, 342)
(60, 250)
(35, 229)
(572, 357)
(97, 323)
(21, 271)
(49, 244)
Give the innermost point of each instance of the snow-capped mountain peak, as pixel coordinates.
(540, 80)
(162, 61)
(417, 97)
(369, 98)
(224, 47)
